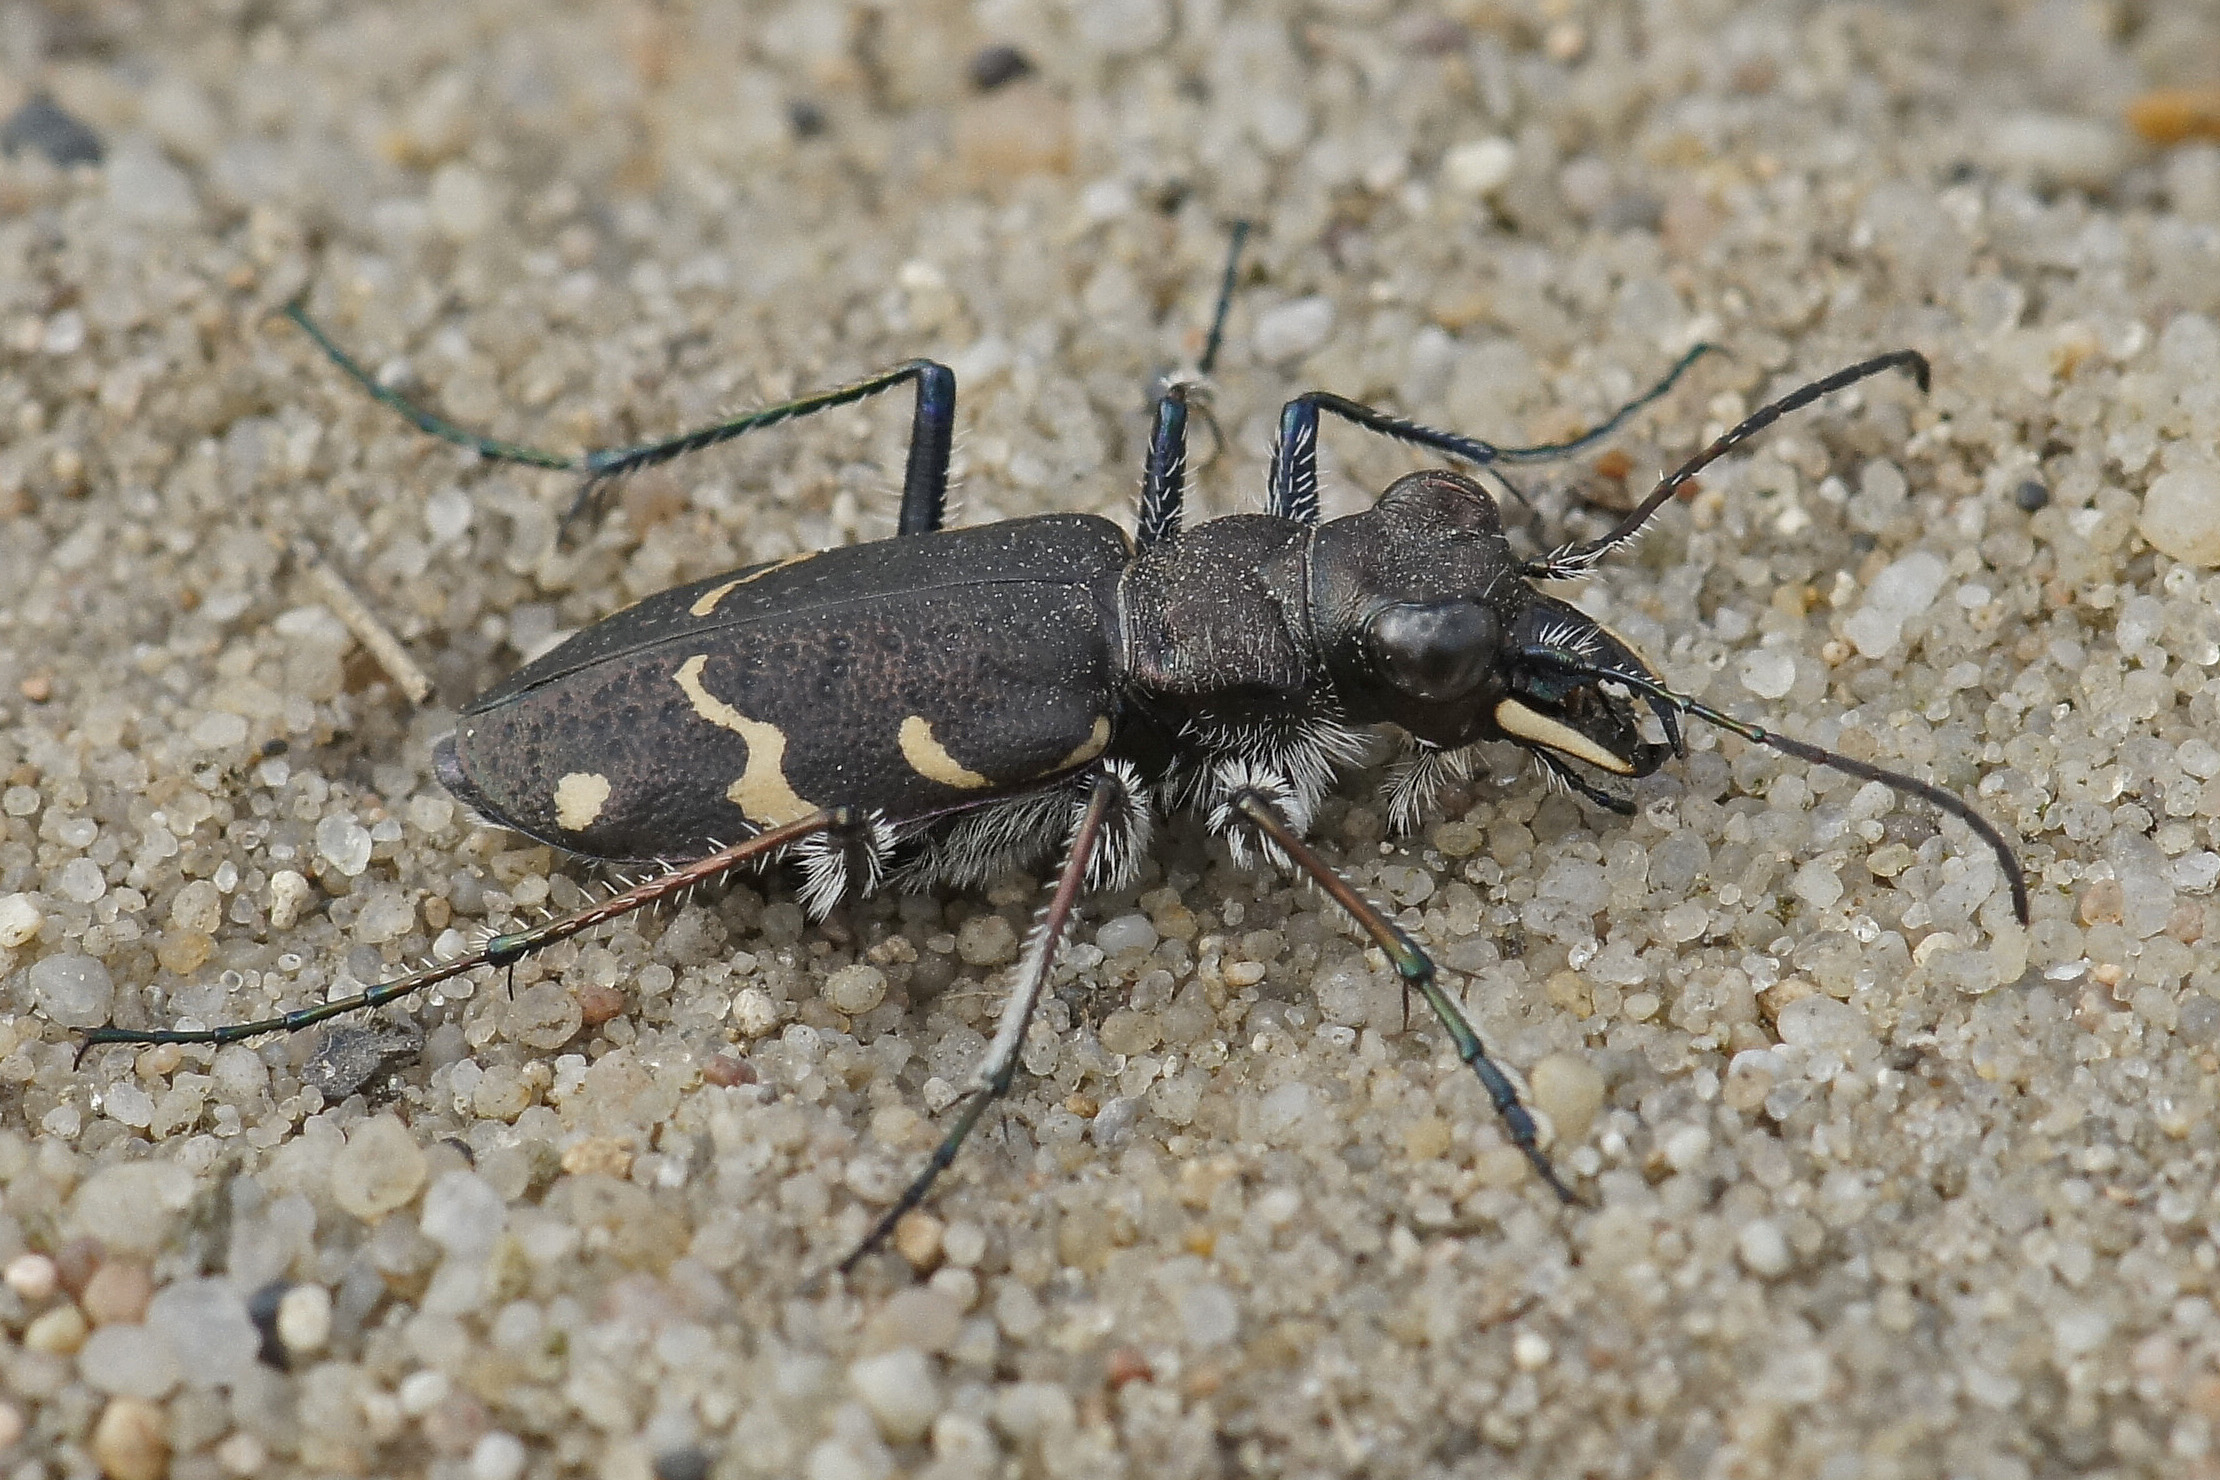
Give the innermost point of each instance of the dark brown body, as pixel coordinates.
(935, 676)
(907, 677)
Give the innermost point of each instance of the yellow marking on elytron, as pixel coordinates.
(579, 798)
(706, 603)
(763, 794)
(929, 759)
(710, 598)
(1097, 741)
(1516, 719)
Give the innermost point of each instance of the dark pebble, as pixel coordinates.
(806, 119)
(262, 1309)
(728, 1070)
(41, 125)
(689, 1463)
(2032, 495)
(992, 66)
(76, 1262)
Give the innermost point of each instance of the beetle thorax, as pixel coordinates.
(1214, 623)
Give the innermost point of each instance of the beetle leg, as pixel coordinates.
(489, 448)
(1418, 973)
(1294, 480)
(924, 481)
(1164, 475)
(504, 950)
(1291, 488)
(837, 864)
(998, 1066)
(1562, 772)
(1218, 315)
(1414, 782)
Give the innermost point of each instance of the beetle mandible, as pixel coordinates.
(935, 708)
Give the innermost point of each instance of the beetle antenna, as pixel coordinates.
(1569, 561)
(1806, 752)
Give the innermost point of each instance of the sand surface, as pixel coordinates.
(1876, 1183)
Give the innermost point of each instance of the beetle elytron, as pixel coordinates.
(940, 706)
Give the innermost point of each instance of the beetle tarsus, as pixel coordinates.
(500, 950)
(998, 1065)
(1417, 970)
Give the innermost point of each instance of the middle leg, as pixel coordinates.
(1164, 475)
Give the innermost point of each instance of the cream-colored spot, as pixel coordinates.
(706, 604)
(1522, 722)
(930, 760)
(1097, 741)
(579, 798)
(762, 793)
(709, 599)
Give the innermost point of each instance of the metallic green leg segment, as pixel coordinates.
(932, 439)
(1293, 491)
(424, 421)
(1418, 973)
(1548, 451)
(924, 483)
(1164, 473)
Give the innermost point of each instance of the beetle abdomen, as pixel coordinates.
(959, 684)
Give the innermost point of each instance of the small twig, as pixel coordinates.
(355, 615)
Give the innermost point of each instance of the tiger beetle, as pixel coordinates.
(939, 707)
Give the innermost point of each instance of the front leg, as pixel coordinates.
(1256, 807)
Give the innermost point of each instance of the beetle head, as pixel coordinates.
(1429, 625)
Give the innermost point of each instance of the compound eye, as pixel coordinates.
(1435, 650)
